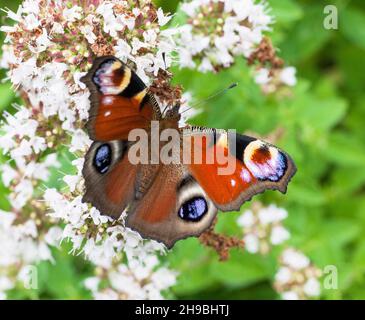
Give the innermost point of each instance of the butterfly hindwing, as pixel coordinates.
(173, 208)
(109, 177)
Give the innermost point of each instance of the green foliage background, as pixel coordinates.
(323, 122)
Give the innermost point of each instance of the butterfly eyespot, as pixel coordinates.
(103, 158)
(265, 162)
(104, 68)
(194, 209)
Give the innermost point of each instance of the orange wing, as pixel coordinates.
(119, 101)
(235, 167)
(109, 177)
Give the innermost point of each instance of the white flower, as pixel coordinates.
(123, 50)
(242, 9)
(71, 181)
(272, 214)
(186, 59)
(297, 278)
(80, 141)
(44, 252)
(163, 278)
(53, 197)
(259, 18)
(262, 76)
(16, 16)
(43, 42)
(251, 243)
(263, 228)
(29, 228)
(290, 295)
(82, 104)
(23, 73)
(53, 236)
(295, 259)
(72, 14)
(24, 149)
(5, 283)
(190, 8)
(92, 284)
(57, 28)
(6, 219)
(87, 31)
(223, 57)
(31, 22)
(198, 44)
(7, 29)
(144, 64)
(8, 174)
(31, 7)
(38, 144)
(127, 21)
(20, 124)
(287, 76)
(284, 275)
(150, 36)
(162, 19)
(278, 235)
(206, 66)
(22, 193)
(107, 294)
(112, 25)
(237, 32)
(132, 238)
(8, 57)
(312, 287)
(247, 219)
(79, 164)
(97, 217)
(136, 45)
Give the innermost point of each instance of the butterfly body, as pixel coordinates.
(186, 175)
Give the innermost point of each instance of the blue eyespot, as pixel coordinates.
(193, 209)
(103, 158)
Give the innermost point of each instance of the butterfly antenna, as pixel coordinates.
(164, 110)
(164, 59)
(219, 93)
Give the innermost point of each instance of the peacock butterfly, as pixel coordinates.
(167, 200)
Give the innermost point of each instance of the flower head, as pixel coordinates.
(263, 227)
(50, 46)
(297, 278)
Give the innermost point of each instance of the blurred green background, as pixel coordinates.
(323, 123)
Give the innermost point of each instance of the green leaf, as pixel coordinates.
(242, 269)
(285, 11)
(7, 95)
(346, 150)
(321, 114)
(352, 26)
(307, 37)
(193, 263)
